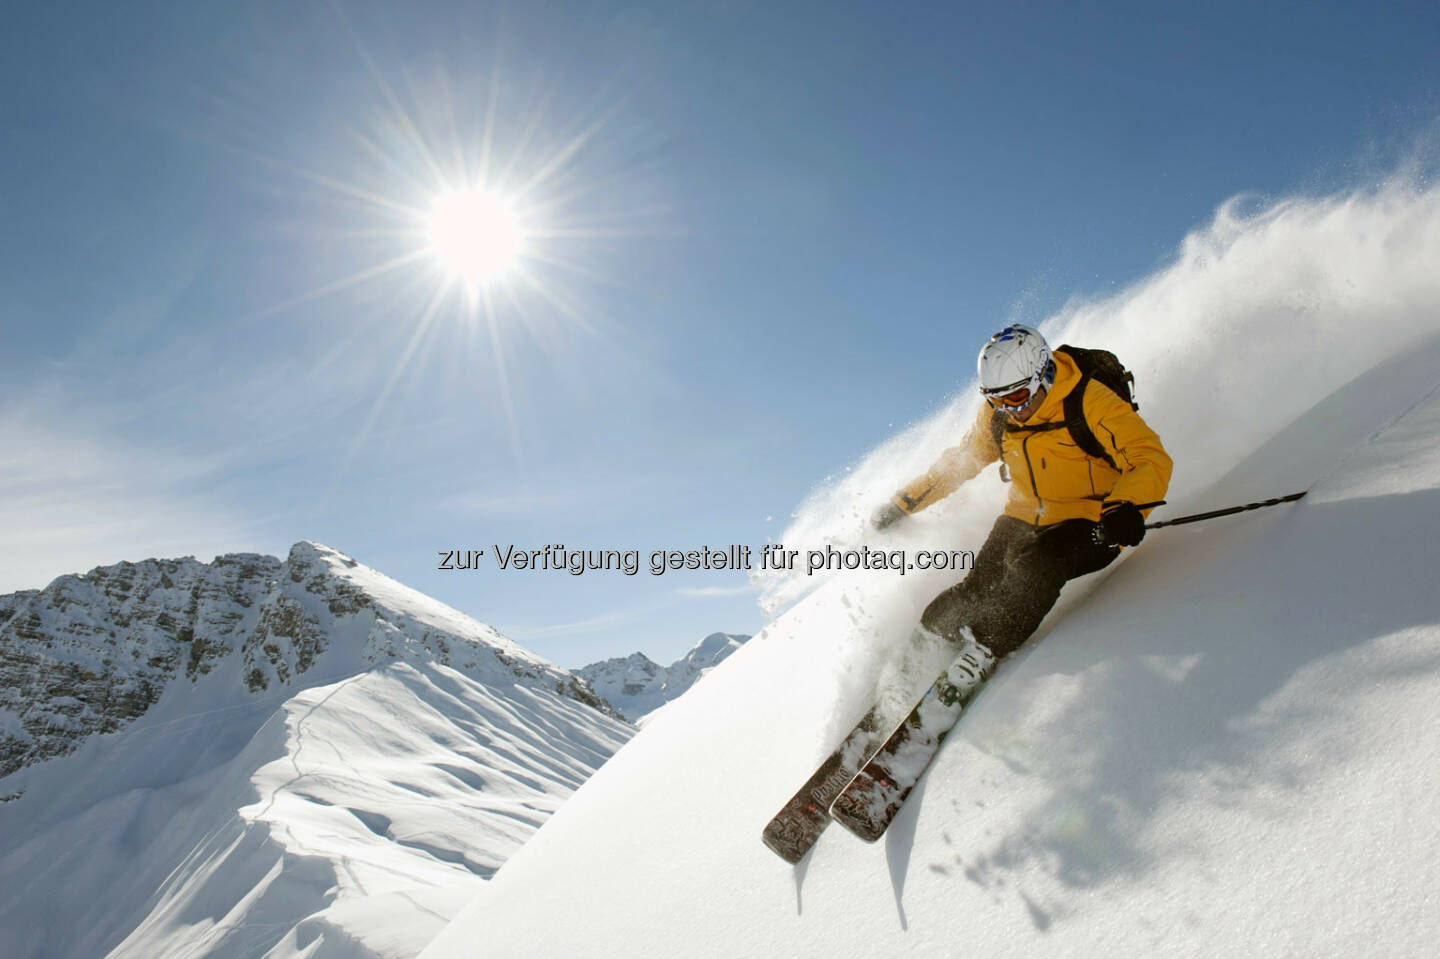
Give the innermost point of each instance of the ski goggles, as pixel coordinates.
(1012, 398)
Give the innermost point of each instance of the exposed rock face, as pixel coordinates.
(637, 686)
(90, 653)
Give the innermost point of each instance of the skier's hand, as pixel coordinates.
(886, 516)
(1120, 525)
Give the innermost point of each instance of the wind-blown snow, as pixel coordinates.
(1260, 317)
(1223, 745)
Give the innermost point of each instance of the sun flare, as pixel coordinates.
(475, 235)
(472, 232)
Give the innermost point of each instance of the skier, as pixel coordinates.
(1085, 470)
(1070, 511)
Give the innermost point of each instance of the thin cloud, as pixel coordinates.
(591, 625)
(70, 501)
(508, 502)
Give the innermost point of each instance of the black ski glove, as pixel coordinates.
(886, 516)
(1120, 525)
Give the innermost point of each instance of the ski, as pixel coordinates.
(868, 804)
(798, 825)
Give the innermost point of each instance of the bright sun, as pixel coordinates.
(475, 235)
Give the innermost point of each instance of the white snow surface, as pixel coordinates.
(348, 813)
(1225, 744)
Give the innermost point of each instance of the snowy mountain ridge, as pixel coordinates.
(266, 757)
(90, 653)
(637, 686)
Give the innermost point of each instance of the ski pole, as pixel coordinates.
(1226, 512)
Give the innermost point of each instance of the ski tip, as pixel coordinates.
(791, 841)
(786, 851)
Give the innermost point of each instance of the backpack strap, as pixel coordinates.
(1080, 431)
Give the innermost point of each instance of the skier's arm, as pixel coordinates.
(955, 466)
(1144, 465)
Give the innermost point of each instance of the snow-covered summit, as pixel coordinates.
(91, 652)
(261, 756)
(637, 686)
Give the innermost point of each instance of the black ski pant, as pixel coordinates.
(1016, 580)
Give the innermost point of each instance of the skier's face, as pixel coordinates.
(1028, 410)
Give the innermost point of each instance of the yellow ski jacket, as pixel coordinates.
(1051, 478)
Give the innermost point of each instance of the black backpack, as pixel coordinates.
(1100, 365)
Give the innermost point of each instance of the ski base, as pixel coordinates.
(870, 802)
(797, 826)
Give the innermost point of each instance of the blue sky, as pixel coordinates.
(776, 233)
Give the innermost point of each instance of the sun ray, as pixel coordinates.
(544, 333)
(592, 233)
(554, 299)
(414, 234)
(339, 186)
(565, 153)
(401, 298)
(534, 119)
(374, 150)
(492, 109)
(589, 186)
(575, 269)
(362, 434)
(354, 279)
(401, 115)
(502, 378)
(452, 121)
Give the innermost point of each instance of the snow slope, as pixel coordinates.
(347, 809)
(1225, 744)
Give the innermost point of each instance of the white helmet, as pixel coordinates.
(1017, 358)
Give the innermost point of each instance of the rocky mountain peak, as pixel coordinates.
(91, 652)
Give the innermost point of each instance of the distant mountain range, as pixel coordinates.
(637, 686)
